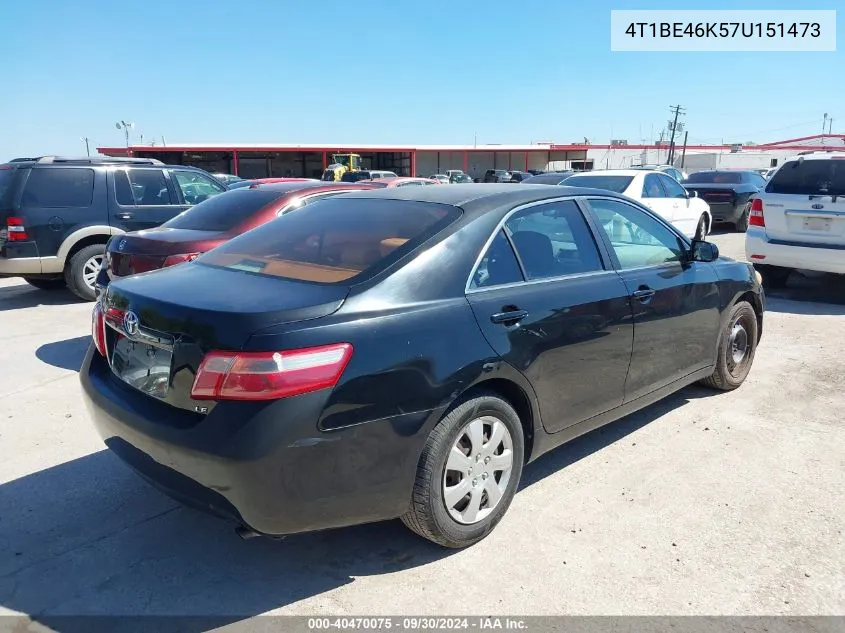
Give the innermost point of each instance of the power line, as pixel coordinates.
(673, 127)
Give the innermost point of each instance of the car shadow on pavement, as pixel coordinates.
(23, 295)
(810, 294)
(88, 537)
(594, 441)
(67, 354)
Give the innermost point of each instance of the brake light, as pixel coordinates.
(16, 230)
(98, 329)
(269, 375)
(755, 216)
(180, 259)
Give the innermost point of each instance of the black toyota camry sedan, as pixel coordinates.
(405, 352)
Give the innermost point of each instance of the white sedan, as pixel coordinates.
(659, 192)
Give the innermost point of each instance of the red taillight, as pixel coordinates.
(98, 329)
(16, 230)
(269, 375)
(180, 259)
(755, 216)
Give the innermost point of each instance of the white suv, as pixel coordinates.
(798, 221)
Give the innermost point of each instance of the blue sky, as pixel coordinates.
(384, 71)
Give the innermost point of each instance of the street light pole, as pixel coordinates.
(85, 139)
(125, 125)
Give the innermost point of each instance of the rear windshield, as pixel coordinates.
(715, 178)
(545, 179)
(608, 183)
(225, 211)
(333, 241)
(809, 178)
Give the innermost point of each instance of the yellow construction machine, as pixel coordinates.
(341, 163)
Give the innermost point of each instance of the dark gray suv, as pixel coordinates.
(56, 214)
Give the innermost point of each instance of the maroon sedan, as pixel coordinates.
(209, 224)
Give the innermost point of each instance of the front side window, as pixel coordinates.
(636, 237)
(553, 240)
(652, 187)
(672, 187)
(195, 187)
(58, 187)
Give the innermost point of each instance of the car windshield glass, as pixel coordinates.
(715, 178)
(335, 240)
(225, 211)
(809, 178)
(608, 183)
(545, 179)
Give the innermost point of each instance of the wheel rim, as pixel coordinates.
(478, 470)
(90, 270)
(739, 346)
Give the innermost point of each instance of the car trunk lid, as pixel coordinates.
(805, 202)
(160, 326)
(144, 251)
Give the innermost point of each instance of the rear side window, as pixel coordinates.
(335, 240)
(809, 178)
(142, 187)
(57, 187)
(224, 212)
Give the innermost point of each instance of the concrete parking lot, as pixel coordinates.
(706, 503)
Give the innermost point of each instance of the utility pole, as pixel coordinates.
(677, 110)
(85, 140)
(684, 151)
(659, 145)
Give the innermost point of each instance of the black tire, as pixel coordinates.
(741, 225)
(45, 284)
(730, 373)
(74, 273)
(428, 515)
(701, 227)
(773, 276)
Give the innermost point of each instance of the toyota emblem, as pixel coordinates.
(121, 244)
(130, 323)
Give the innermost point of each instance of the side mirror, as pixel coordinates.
(704, 251)
(691, 194)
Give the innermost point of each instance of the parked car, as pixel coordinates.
(451, 174)
(497, 175)
(328, 393)
(56, 214)
(399, 181)
(366, 174)
(548, 178)
(266, 181)
(674, 172)
(798, 220)
(536, 172)
(656, 190)
(459, 179)
(209, 224)
(227, 179)
(519, 176)
(443, 179)
(728, 192)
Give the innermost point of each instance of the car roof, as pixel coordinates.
(478, 197)
(817, 156)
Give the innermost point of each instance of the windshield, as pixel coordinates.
(809, 178)
(334, 240)
(715, 178)
(225, 211)
(609, 183)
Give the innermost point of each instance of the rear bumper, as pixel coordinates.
(726, 212)
(819, 258)
(265, 465)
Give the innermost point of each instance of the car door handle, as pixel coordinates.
(509, 317)
(643, 294)
(124, 216)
